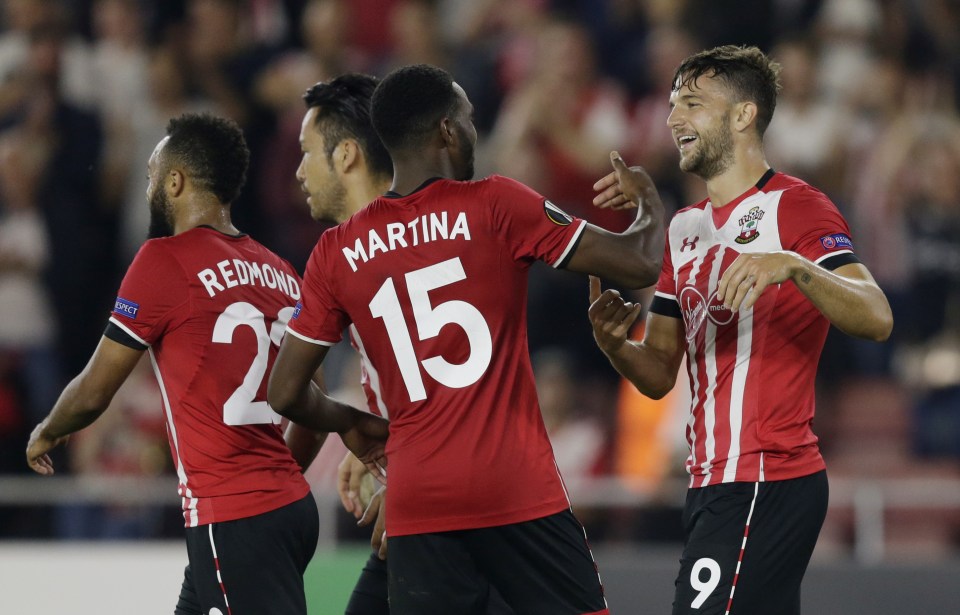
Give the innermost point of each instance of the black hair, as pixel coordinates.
(747, 71)
(409, 104)
(213, 152)
(343, 112)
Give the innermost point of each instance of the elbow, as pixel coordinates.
(644, 274)
(280, 399)
(884, 327)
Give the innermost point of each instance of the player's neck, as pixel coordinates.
(411, 171)
(743, 174)
(359, 195)
(197, 213)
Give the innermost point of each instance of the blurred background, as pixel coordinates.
(868, 113)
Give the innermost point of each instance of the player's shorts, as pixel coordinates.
(748, 546)
(369, 596)
(251, 566)
(539, 567)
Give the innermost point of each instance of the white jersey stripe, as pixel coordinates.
(373, 377)
(190, 503)
(573, 242)
(665, 295)
(694, 380)
(129, 331)
(740, 370)
(710, 370)
(308, 339)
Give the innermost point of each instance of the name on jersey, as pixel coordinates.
(236, 272)
(396, 235)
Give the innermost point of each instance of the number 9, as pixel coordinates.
(704, 587)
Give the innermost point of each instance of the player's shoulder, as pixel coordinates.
(688, 214)
(795, 191)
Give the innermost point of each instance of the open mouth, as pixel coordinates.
(685, 141)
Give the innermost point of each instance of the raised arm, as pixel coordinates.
(82, 401)
(652, 364)
(848, 296)
(632, 258)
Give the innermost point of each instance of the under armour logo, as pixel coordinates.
(690, 243)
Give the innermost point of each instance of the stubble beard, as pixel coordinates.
(161, 215)
(713, 156)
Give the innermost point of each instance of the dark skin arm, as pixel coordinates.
(632, 258)
(652, 364)
(305, 443)
(82, 401)
(293, 394)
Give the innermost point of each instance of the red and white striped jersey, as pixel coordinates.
(212, 308)
(751, 373)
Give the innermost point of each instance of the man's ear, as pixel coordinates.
(744, 115)
(447, 132)
(175, 182)
(347, 155)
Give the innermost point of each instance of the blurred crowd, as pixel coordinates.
(868, 113)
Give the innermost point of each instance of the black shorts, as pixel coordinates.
(539, 567)
(251, 566)
(369, 596)
(748, 546)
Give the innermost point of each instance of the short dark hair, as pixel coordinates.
(410, 102)
(343, 112)
(749, 73)
(213, 152)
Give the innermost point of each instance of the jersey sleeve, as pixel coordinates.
(318, 317)
(150, 299)
(533, 227)
(811, 226)
(665, 295)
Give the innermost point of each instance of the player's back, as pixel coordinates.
(435, 286)
(213, 308)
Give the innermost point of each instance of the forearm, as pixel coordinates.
(74, 410)
(649, 370)
(304, 444)
(855, 306)
(313, 410)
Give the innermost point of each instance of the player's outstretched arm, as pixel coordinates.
(632, 258)
(651, 365)
(292, 393)
(82, 401)
(849, 296)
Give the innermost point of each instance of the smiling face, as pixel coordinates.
(318, 177)
(700, 122)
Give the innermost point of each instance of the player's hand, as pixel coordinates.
(747, 277)
(624, 187)
(367, 440)
(38, 448)
(350, 474)
(376, 510)
(610, 316)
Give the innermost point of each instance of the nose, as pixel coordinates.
(674, 120)
(300, 174)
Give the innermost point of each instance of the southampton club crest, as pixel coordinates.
(748, 225)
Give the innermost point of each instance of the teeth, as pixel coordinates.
(686, 139)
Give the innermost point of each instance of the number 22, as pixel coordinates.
(240, 408)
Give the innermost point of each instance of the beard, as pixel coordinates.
(331, 205)
(714, 153)
(465, 173)
(161, 215)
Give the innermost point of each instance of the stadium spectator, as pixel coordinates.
(470, 460)
(753, 277)
(251, 521)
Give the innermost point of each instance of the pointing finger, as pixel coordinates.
(594, 288)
